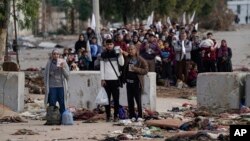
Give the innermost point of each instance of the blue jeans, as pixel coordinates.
(57, 95)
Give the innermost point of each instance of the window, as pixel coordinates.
(238, 9)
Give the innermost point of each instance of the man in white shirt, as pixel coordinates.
(109, 67)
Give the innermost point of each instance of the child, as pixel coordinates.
(84, 61)
(74, 67)
(167, 58)
(192, 75)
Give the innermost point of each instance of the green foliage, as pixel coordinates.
(166, 7)
(83, 7)
(116, 10)
(120, 10)
(30, 10)
(220, 17)
(4, 13)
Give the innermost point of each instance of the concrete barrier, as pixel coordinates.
(220, 91)
(247, 97)
(84, 86)
(12, 90)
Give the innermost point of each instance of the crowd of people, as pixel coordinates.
(174, 52)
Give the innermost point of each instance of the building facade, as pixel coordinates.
(240, 8)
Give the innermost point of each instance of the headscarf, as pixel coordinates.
(223, 49)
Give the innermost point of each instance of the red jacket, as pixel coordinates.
(209, 54)
(122, 45)
(192, 75)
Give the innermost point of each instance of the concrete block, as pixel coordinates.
(12, 90)
(220, 91)
(84, 86)
(247, 90)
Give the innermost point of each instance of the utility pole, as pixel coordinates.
(247, 10)
(96, 11)
(7, 36)
(15, 45)
(43, 16)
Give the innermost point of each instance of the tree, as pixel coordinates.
(29, 8)
(126, 10)
(4, 19)
(217, 16)
(71, 8)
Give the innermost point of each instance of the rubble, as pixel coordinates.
(186, 122)
(34, 82)
(165, 123)
(175, 92)
(25, 132)
(11, 119)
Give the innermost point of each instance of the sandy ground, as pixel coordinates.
(78, 132)
(237, 40)
(239, 43)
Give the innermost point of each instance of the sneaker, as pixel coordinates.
(133, 119)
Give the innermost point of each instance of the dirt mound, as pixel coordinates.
(6, 111)
(175, 92)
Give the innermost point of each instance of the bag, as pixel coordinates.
(53, 116)
(67, 118)
(122, 113)
(102, 97)
(121, 81)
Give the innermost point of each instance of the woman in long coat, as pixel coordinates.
(224, 55)
(56, 76)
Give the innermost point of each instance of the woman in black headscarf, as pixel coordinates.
(81, 43)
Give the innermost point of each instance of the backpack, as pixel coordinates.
(67, 118)
(53, 116)
(122, 113)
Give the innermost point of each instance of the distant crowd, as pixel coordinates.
(175, 52)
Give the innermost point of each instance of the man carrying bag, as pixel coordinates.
(109, 68)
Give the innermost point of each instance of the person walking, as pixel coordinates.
(134, 70)
(109, 68)
(56, 76)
